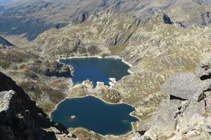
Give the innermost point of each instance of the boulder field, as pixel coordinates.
(186, 112)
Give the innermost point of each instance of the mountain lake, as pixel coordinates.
(90, 112)
(96, 69)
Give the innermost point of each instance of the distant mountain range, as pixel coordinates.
(3, 2)
(32, 17)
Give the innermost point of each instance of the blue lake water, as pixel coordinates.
(95, 115)
(90, 112)
(96, 69)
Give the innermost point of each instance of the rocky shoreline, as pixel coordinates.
(133, 128)
(100, 57)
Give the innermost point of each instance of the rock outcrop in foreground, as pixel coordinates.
(186, 114)
(20, 118)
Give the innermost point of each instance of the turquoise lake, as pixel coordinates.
(93, 114)
(96, 69)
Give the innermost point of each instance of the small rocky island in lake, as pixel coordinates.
(95, 115)
(73, 117)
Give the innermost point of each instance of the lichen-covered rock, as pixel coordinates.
(186, 114)
(164, 119)
(186, 86)
(5, 99)
(201, 70)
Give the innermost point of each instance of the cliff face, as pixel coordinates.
(20, 118)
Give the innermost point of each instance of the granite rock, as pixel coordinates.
(20, 118)
(185, 85)
(185, 115)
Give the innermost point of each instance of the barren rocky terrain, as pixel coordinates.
(44, 80)
(156, 48)
(166, 42)
(26, 19)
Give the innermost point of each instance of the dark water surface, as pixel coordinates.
(95, 115)
(96, 69)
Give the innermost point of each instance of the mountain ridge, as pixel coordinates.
(44, 15)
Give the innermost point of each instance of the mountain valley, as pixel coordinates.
(165, 42)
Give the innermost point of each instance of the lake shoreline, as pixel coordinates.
(100, 57)
(133, 129)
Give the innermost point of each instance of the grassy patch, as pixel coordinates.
(100, 29)
(55, 95)
(47, 108)
(32, 87)
(59, 84)
(29, 74)
(93, 50)
(5, 64)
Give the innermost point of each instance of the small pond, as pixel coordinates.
(94, 114)
(96, 69)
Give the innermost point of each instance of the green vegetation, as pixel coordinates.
(94, 50)
(29, 74)
(55, 95)
(5, 64)
(31, 86)
(58, 84)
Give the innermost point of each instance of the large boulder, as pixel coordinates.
(163, 119)
(185, 85)
(186, 114)
(203, 71)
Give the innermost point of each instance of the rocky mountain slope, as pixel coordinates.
(186, 114)
(156, 47)
(36, 75)
(28, 18)
(21, 118)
